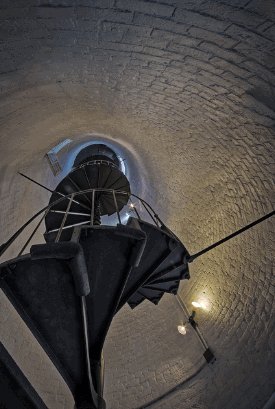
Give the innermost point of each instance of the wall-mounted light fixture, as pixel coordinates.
(208, 354)
(182, 328)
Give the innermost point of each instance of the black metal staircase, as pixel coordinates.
(69, 289)
(47, 287)
(94, 174)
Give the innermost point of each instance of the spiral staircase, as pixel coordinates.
(68, 289)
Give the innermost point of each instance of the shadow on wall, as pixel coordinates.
(265, 96)
(262, 7)
(261, 98)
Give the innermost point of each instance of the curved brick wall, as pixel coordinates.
(188, 86)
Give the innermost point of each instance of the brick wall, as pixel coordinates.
(188, 87)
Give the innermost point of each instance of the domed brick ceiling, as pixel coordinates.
(187, 89)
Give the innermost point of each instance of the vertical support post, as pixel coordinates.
(134, 208)
(64, 219)
(87, 352)
(116, 206)
(93, 208)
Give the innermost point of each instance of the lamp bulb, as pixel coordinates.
(196, 304)
(182, 329)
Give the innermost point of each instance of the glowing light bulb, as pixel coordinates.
(182, 329)
(196, 304)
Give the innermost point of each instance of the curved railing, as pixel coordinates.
(135, 206)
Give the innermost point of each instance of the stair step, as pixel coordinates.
(167, 287)
(151, 295)
(49, 285)
(80, 182)
(157, 249)
(104, 175)
(108, 203)
(54, 313)
(135, 300)
(173, 260)
(161, 268)
(117, 181)
(107, 252)
(93, 175)
(172, 274)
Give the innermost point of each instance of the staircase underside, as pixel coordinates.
(91, 175)
(124, 263)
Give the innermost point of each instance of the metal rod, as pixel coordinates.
(93, 208)
(152, 210)
(64, 220)
(150, 214)
(73, 213)
(156, 216)
(108, 177)
(36, 183)
(32, 234)
(116, 206)
(236, 233)
(78, 188)
(134, 208)
(7, 244)
(69, 226)
(102, 371)
(87, 351)
(52, 191)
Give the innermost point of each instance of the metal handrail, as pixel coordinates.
(145, 204)
(71, 197)
(116, 206)
(64, 218)
(94, 162)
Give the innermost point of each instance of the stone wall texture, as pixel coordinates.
(188, 87)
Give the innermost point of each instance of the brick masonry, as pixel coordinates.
(188, 87)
